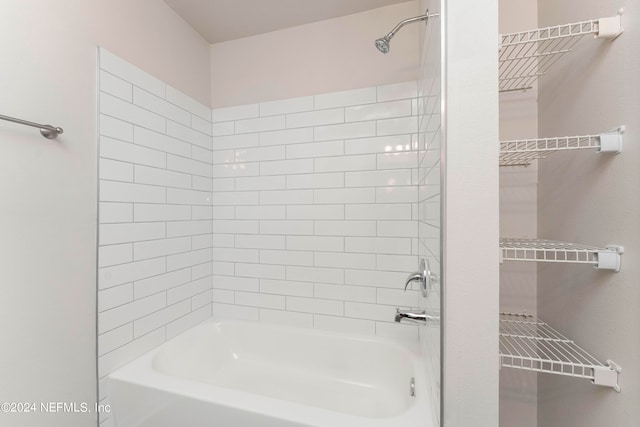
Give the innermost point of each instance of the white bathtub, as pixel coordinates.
(245, 374)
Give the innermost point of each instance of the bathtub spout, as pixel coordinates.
(417, 317)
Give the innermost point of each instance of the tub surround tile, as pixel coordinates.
(345, 131)
(115, 149)
(379, 144)
(315, 149)
(115, 86)
(315, 118)
(115, 296)
(289, 318)
(260, 212)
(187, 103)
(115, 171)
(114, 255)
(397, 126)
(345, 98)
(160, 247)
(245, 284)
(317, 243)
(159, 106)
(381, 110)
(315, 180)
(315, 305)
(128, 352)
(262, 124)
(185, 133)
(188, 321)
(285, 106)
(160, 283)
(345, 163)
(296, 211)
(289, 136)
(188, 197)
(223, 296)
(114, 128)
(321, 212)
(201, 125)
(379, 211)
(286, 287)
(235, 113)
(259, 241)
(123, 110)
(315, 274)
(233, 142)
(285, 167)
(345, 292)
(235, 312)
(161, 177)
(188, 290)
(160, 318)
(130, 73)
(202, 299)
(155, 194)
(126, 313)
(260, 300)
(260, 271)
(201, 270)
(161, 142)
(223, 128)
(403, 90)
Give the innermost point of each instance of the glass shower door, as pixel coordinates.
(429, 212)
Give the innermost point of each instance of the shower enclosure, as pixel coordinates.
(306, 211)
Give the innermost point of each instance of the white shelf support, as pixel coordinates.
(611, 142)
(610, 28)
(610, 258)
(607, 376)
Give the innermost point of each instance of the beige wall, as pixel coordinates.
(150, 35)
(326, 56)
(48, 189)
(592, 199)
(518, 218)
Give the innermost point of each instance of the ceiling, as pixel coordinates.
(222, 20)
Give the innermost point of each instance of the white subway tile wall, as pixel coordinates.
(316, 210)
(155, 212)
(301, 211)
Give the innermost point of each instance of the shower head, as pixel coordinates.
(383, 43)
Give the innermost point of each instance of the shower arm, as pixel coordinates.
(424, 17)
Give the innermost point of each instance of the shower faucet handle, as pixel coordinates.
(424, 276)
(414, 277)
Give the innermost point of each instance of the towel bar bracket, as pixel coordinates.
(48, 131)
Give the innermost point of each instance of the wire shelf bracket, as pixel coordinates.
(541, 250)
(527, 55)
(521, 152)
(529, 344)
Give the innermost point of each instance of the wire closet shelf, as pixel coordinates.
(529, 344)
(541, 250)
(521, 152)
(527, 55)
